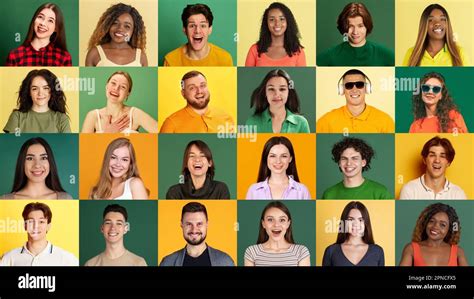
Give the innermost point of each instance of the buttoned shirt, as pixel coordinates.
(417, 189)
(50, 256)
(295, 190)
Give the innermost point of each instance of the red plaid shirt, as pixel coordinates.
(47, 56)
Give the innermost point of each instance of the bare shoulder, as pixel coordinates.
(136, 182)
(92, 57)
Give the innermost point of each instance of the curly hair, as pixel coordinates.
(259, 98)
(454, 234)
(359, 145)
(292, 35)
(444, 106)
(101, 34)
(57, 102)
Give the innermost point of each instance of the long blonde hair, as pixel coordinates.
(422, 39)
(103, 189)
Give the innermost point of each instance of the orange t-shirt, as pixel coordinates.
(297, 59)
(431, 124)
(418, 258)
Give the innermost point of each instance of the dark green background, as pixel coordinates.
(142, 239)
(65, 150)
(303, 214)
(170, 26)
(304, 79)
(408, 211)
(383, 20)
(172, 146)
(144, 93)
(17, 16)
(381, 167)
(457, 81)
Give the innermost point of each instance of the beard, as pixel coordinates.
(199, 105)
(195, 241)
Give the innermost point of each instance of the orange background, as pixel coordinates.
(91, 153)
(249, 154)
(221, 231)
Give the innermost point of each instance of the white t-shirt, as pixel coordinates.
(417, 189)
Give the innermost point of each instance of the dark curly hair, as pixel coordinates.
(359, 145)
(259, 98)
(101, 33)
(454, 234)
(196, 9)
(57, 102)
(443, 107)
(292, 35)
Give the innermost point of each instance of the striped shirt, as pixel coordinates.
(50, 256)
(291, 257)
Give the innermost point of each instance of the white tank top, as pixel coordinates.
(127, 130)
(104, 61)
(127, 192)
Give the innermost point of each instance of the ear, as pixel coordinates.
(184, 31)
(210, 30)
(127, 228)
(210, 163)
(48, 227)
(364, 162)
(182, 93)
(291, 158)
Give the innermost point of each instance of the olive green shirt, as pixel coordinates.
(36, 122)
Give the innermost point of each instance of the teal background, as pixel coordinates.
(170, 159)
(142, 239)
(170, 26)
(456, 79)
(381, 166)
(408, 211)
(17, 17)
(303, 214)
(65, 151)
(304, 79)
(144, 94)
(383, 20)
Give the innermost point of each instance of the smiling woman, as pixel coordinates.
(45, 43)
(36, 175)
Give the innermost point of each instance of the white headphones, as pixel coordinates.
(340, 84)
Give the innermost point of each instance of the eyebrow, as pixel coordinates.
(107, 219)
(41, 155)
(42, 14)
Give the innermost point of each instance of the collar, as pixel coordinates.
(290, 116)
(292, 184)
(446, 187)
(363, 116)
(193, 113)
(44, 49)
(47, 250)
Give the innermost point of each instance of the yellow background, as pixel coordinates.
(11, 78)
(90, 12)
(249, 20)
(92, 148)
(382, 98)
(382, 218)
(221, 83)
(64, 230)
(249, 154)
(409, 164)
(221, 233)
(407, 18)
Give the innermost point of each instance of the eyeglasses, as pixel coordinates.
(358, 84)
(431, 88)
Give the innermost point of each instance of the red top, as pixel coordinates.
(431, 124)
(47, 56)
(418, 258)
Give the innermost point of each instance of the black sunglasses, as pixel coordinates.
(358, 84)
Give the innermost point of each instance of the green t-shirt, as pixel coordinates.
(344, 54)
(368, 190)
(36, 122)
(293, 123)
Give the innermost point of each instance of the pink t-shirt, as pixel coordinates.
(297, 59)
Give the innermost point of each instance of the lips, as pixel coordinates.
(37, 173)
(114, 93)
(276, 232)
(41, 29)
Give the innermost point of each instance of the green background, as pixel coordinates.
(170, 155)
(304, 79)
(383, 20)
(456, 81)
(17, 17)
(170, 26)
(144, 93)
(142, 239)
(65, 151)
(407, 212)
(381, 167)
(303, 214)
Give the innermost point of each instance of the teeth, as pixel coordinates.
(438, 30)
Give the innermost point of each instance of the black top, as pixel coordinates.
(201, 261)
(211, 190)
(333, 256)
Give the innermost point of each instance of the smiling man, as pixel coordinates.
(438, 154)
(194, 223)
(197, 26)
(114, 227)
(356, 116)
(38, 251)
(353, 156)
(197, 116)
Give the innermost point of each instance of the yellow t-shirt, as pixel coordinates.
(216, 57)
(340, 120)
(442, 58)
(187, 120)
